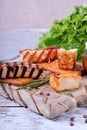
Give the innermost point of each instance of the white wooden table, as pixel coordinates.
(15, 117)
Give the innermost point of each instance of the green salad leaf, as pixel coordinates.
(69, 33)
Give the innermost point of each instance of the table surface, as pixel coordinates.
(12, 115)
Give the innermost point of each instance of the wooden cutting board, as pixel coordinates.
(44, 100)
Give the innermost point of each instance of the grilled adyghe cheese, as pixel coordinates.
(67, 58)
(64, 82)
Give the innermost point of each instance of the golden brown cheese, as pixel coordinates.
(20, 70)
(38, 56)
(53, 67)
(17, 81)
(64, 82)
(67, 59)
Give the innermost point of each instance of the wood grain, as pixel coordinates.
(44, 100)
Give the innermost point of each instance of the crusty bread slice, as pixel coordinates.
(67, 58)
(64, 82)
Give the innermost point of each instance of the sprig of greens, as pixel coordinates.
(36, 83)
(69, 33)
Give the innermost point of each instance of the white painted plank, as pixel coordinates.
(22, 119)
(18, 118)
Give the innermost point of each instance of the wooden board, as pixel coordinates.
(45, 100)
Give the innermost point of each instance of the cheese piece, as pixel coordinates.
(39, 56)
(67, 58)
(53, 67)
(17, 81)
(64, 82)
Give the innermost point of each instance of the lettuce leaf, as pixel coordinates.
(70, 32)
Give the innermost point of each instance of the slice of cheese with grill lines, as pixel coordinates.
(38, 56)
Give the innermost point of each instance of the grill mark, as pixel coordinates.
(48, 55)
(12, 98)
(5, 69)
(12, 94)
(39, 73)
(16, 69)
(39, 57)
(23, 72)
(45, 100)
(35, 105)
(25, 55)
(31, 59)
(55, 54)
(9, 68)
(33, 93)
(4, 90)
(31, 73)
(66, 108)
(8, 72)
(71, 95)
(52, 54)
(1, 70)
(21, 99)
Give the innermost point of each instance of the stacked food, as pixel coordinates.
(32, 67)
(40, 79)
(49, 81)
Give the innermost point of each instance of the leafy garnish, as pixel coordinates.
(69, 33)
(36, 83)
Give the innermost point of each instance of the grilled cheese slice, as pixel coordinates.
(20, 70)
(53, 67)
(64, 82)
(17, 81)
(67, 58)
(38, 56)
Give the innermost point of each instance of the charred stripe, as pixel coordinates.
(39, 73)
(16, 69)
(48, 55)
(23, 72)
(9, 68)
(31, 58)
(4, 90)
(31, 73)
(39, 57)
(1, 70)
(25, 55)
